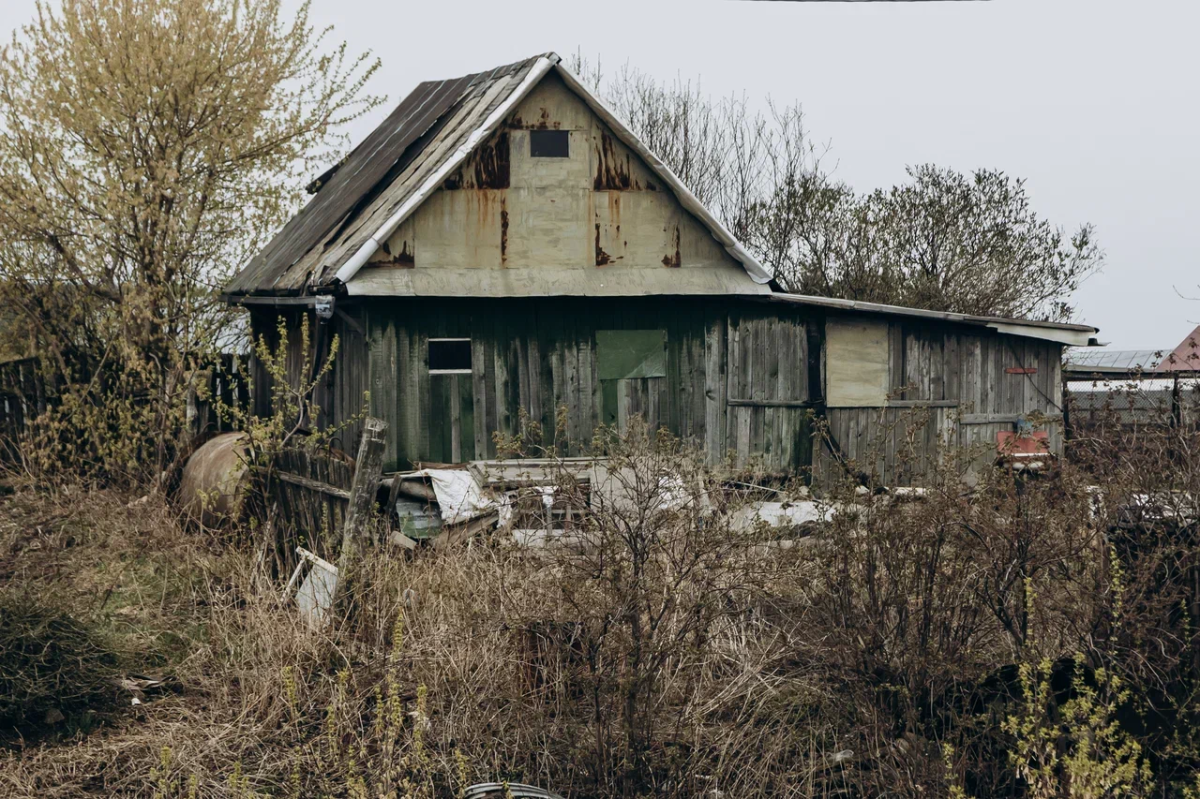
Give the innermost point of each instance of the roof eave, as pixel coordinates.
(1062, 333)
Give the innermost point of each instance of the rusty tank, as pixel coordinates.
(216, 480)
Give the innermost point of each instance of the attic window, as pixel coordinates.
(449, 356)
(549, 144)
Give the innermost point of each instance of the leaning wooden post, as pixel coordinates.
(367, 470)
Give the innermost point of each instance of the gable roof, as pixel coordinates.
(1185, 357)
(384, 179)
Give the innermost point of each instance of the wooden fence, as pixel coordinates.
(23, 396)
(309, 493)
(222, 384)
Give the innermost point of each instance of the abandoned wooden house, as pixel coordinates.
(502, 246)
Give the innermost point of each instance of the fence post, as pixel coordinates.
(367, 469)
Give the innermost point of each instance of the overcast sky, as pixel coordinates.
(1094, 102)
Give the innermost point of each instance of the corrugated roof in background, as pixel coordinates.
(1102, 361)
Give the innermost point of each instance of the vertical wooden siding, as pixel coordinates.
(958, 385)
(340, 397)
(769, 397)
(741, 380)
(535, 356)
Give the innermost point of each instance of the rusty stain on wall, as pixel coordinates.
(487, 168)
(503, 231)
(404, 258)
(676, 261)
(543, 122)
(612, 172)
(601, 256)
(492, 164)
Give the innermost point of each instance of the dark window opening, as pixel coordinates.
(549, 143)
(449, 355)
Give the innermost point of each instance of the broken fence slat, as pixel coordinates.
(368, 469)
(314, 485)
(316, 560)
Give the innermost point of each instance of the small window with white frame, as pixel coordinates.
(449, 356)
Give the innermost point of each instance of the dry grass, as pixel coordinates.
(477, 635)
(837, 668)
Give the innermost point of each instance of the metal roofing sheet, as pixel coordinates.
(1061, 332)
(295, 253)
(1105, 360)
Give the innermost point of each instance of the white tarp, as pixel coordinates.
(459, 496)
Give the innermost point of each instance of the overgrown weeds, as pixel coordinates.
(1002, 635)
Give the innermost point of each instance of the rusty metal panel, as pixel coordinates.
(460, 229)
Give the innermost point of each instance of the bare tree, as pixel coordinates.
(943, 240)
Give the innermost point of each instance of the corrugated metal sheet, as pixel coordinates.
(389, 165)
(1104, 361)
(1143, 364)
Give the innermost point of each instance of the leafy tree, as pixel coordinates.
(943, 241)
(147, 150)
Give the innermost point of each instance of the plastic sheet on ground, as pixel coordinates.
(459, 496)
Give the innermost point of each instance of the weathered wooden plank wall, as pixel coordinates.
(954, 384)
(531, 357)
(738, 378)
(769, 398)
(217, 390)
(340, 396)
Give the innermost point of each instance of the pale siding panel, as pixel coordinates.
(856, 362)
